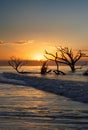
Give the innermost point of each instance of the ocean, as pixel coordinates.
(77, 76)
(27, 102)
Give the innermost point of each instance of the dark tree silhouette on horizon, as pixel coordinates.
(57, 71)
(44, 68)
(66, 56)
(16, 63)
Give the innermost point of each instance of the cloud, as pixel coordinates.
(24, 42)
(17, 42)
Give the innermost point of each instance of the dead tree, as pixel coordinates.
(66, 56)
(55, 58)
(16, 63)
(44, 68)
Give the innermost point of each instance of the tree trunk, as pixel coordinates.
(72, 68)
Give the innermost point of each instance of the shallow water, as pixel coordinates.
(77, 76)
(26, 108)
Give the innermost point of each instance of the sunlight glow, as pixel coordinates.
(39, 57)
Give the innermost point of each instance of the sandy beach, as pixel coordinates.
(27, 108)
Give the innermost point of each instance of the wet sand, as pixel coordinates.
(27, 108)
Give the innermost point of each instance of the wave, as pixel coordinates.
(75, 90)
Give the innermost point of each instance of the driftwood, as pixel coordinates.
(58, 72)
(16, 64)
(86, 73)
(44, 68)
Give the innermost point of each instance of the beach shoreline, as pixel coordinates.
(40, 103)
(75, 90)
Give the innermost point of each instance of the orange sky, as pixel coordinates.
(28, 27)
(29, 50)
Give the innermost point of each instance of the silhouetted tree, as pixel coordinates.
(44, 68)
(16, 63)
(66, 56)
(57, 71)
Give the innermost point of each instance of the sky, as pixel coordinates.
(29, 27)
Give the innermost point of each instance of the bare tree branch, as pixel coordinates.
(66, 56)
(16, 63)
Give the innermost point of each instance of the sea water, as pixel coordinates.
(77, 76)
(26, 108)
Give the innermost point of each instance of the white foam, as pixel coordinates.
(76, 90)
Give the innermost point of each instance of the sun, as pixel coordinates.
(39, 57)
